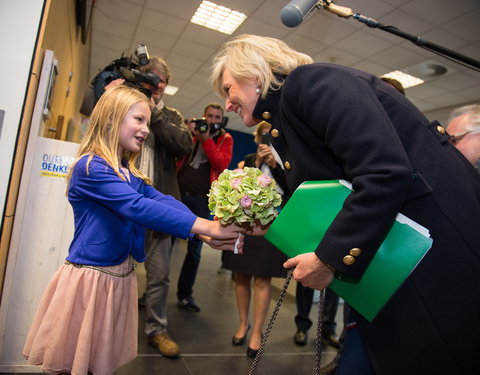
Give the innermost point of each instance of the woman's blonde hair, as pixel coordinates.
(103, 132)
(256, 57)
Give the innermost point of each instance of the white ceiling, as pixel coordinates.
(164, 27)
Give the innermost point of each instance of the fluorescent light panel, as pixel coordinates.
(217, 17)
(405, 79)
(171, 90)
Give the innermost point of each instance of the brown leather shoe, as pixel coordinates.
(165, 345)
(300, 337)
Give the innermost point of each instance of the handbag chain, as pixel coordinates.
(318, 341)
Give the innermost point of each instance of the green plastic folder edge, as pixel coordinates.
(302, 223)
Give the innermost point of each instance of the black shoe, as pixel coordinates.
(252, 353)
(331, 339)
(189, 304)
(300, 337)
(240, 341)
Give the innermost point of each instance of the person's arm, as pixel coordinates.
(219, 154)
(349, 123)
(220, 237)
(169, 130)
(148, 208)
(104, 187)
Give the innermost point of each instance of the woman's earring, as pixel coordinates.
(258, 91)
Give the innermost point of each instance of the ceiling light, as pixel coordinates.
(171, 90)
(405, 79)
(428, 70)
(217, 17)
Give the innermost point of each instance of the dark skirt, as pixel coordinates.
(259, 258)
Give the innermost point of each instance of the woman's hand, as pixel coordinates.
(310, 271)
(257, 230)
(264, 153)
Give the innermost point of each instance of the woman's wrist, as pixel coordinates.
(330, 267)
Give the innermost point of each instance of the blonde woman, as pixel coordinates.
(333, 122)
(87, 319)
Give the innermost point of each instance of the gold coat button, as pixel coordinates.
(355, 252)
(266, 115)
(274, 133)
(287, 165)
(348, 260)
(441, 129)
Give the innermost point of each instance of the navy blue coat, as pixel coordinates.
(332, 122)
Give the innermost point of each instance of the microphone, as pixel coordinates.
(295, 11)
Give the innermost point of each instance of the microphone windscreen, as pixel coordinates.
(127, 74)
(293, 13)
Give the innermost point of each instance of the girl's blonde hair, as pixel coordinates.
(103, 132)
(255, 57)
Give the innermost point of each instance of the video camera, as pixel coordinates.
(127, 68)
(201, 125)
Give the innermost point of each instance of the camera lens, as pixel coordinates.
(201, 125)
(142, 54)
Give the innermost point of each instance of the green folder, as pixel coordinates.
(303, 221)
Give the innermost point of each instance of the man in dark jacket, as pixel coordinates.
(169, 139)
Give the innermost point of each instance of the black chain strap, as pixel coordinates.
(318, 343)
(318, 340)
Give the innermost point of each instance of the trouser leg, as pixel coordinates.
(188, 274)
(157, 266)
(198, 204)
(304, 300)
(330, 312)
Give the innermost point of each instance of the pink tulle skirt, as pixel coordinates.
(87, 321)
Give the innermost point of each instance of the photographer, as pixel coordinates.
(212, 153)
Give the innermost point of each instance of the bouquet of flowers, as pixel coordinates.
(244, 196)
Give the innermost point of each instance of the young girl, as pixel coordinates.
(87, 320)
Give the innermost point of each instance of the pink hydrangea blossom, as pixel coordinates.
(235, 183)
(264, 180)
(246, 201)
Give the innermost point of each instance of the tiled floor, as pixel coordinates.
(205, 337)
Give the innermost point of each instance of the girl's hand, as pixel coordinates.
(224, 244)
(215, 229)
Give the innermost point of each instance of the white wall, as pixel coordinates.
(19, 22)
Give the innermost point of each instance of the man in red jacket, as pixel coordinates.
(212, 153)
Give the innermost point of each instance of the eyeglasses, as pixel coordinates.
(454, 139)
